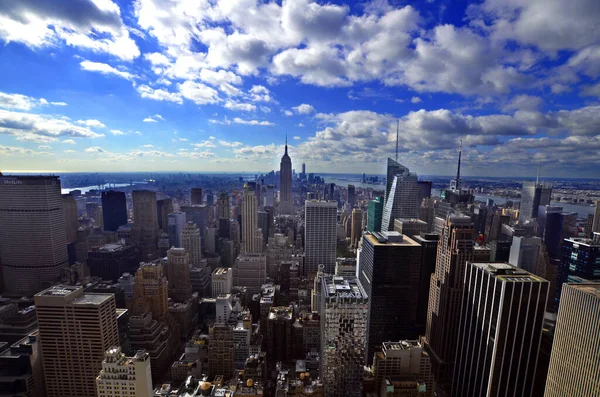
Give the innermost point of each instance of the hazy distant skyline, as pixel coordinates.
(147, 85)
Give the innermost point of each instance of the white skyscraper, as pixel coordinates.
(249, 220)
(524, 252)
(320, 236)
(285, 183)
(533, 195)
(192, 242)
(402, 195)
(125, 376)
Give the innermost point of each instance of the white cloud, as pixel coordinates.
(289, 113)
(245, 107)
(524, 102)
(117, 132)
(70, 151)
(199, 93)
(44, 147)
(230, 144)
(415, 99)
(19, 151)
(183, 139)
(137, 133)
(148, 146)
(300, 125)
(91, 123)
(149, 120)
(159, 117)
(105, 69)
(69, 142)
(238, 120)
(24, 102)
(95, 149)
(297, 138)
(304, 109)
(158, 94)
(204, 144)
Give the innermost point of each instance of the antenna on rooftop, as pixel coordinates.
(397, 129)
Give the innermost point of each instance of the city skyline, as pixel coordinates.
(119, 86)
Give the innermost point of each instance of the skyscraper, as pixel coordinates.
(163, 208)
(175, 224)
(75, 331)
(178, 265)
(71, 218)
(145, 216)
(580, 259)
(524, 252)
(197, 213)
(575, 355)
(250, 271)
(249, 221)
(389, 270)
(596, 224)
(224, 205)
(33, 239)
(351, 199)
(125, 376)
(320, 236)
(286, 205)
(402, 195)
(344, 312)
(429, 243)
(374, 215)
(533, 195)
(501, 320)
(356, 227)
(151, 291)
(192, 242)
(196, 195)
(455, 249)
(114, 210)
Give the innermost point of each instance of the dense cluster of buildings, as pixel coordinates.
(290, 286)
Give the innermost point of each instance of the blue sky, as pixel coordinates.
(198, 85)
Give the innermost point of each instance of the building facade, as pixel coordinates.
(375, 214)
(175, 224)
(402, 195)
(114, 210)
(125, 376)
(192, 242)
(250, 221)
(221, 281)
(533, 195)
(320, 236)
(286, 203)
(178, 274)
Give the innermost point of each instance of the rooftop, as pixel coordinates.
(344, 287)
(508, 273)
(391, 239)
(588, 288)
(59, 291)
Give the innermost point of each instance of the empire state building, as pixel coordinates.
(285, 183)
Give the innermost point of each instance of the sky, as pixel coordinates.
(217, 85)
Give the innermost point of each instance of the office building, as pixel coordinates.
(351, 196)
(524, 252)
(71, 218)
(175, 221)
(151, 291)
(279, 335)
(221, 281)
(250, 221)
(210, 240)
(114, 210)
(580, 259)
(223, 204)
(125, 376)
(455, 249)
(497, 352)
(192, 242)
(145, 333)
(356, 227)
(575, 358)
(242, 336)
(596, 223)
(21, 371)
(320, 236)
(75, 331)
(111, 260)
(344, 313)
(428, 243)
(178, 274)
(286, 201)
(197, 214)
(402, 195)
(424, 188)
(533, 195)
(164, 207)
(389, 269)
(145, 218)
(196, 196)
(374, 214)
(33, 241)
(250, 271)
(127, 282)
(410, 227)
(407, 362)
(221, 352)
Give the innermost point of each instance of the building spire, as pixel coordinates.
(397, 128)
(286, 143)
(458, 169)
(537, 178)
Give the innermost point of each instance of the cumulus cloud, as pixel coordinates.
(304, 109)
(95, 149)
(149, 120)
(105, 69)
(207, 143)
(415, 99)
(24, 102)
(41, 128)
(117, 132)
(159, 94)
(244, 107)
(69, 142)
(19, 151)
(230, 144)
(91, 123)
(238, 120)
(199, 93)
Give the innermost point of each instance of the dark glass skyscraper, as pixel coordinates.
(389, 271)
(375, 214)
(196, 195)
(114, 210)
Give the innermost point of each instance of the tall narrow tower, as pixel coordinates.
(249, 220)
(285, 183)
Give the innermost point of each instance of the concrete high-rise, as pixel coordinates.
(221, 281)
(401, 195)
(223, 203)
(175, 223)
(356, 227)
(596, 223)
(375, 214)
(196, 196)
(164, 207)
(455, 249)
(178, 274)
(320, 236)
(145, 217)
(198, 214)
(533, 195)
(351, 199)
(125, 376)
(575, 355)
(71, 218)
(249, 221)
(151, 291)
(389, 271)
(192, 242)
(286, 203)
(250, 271)
(344, 312)
(221, 353)
(33, 239)
(524, 252)
(501, 320)
(114, 210)
(75, 331)
(429, 243)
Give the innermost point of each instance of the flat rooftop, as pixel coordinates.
(344, 287)
(589, 288)
(394, 239)
(508, 273)
(59, 291)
